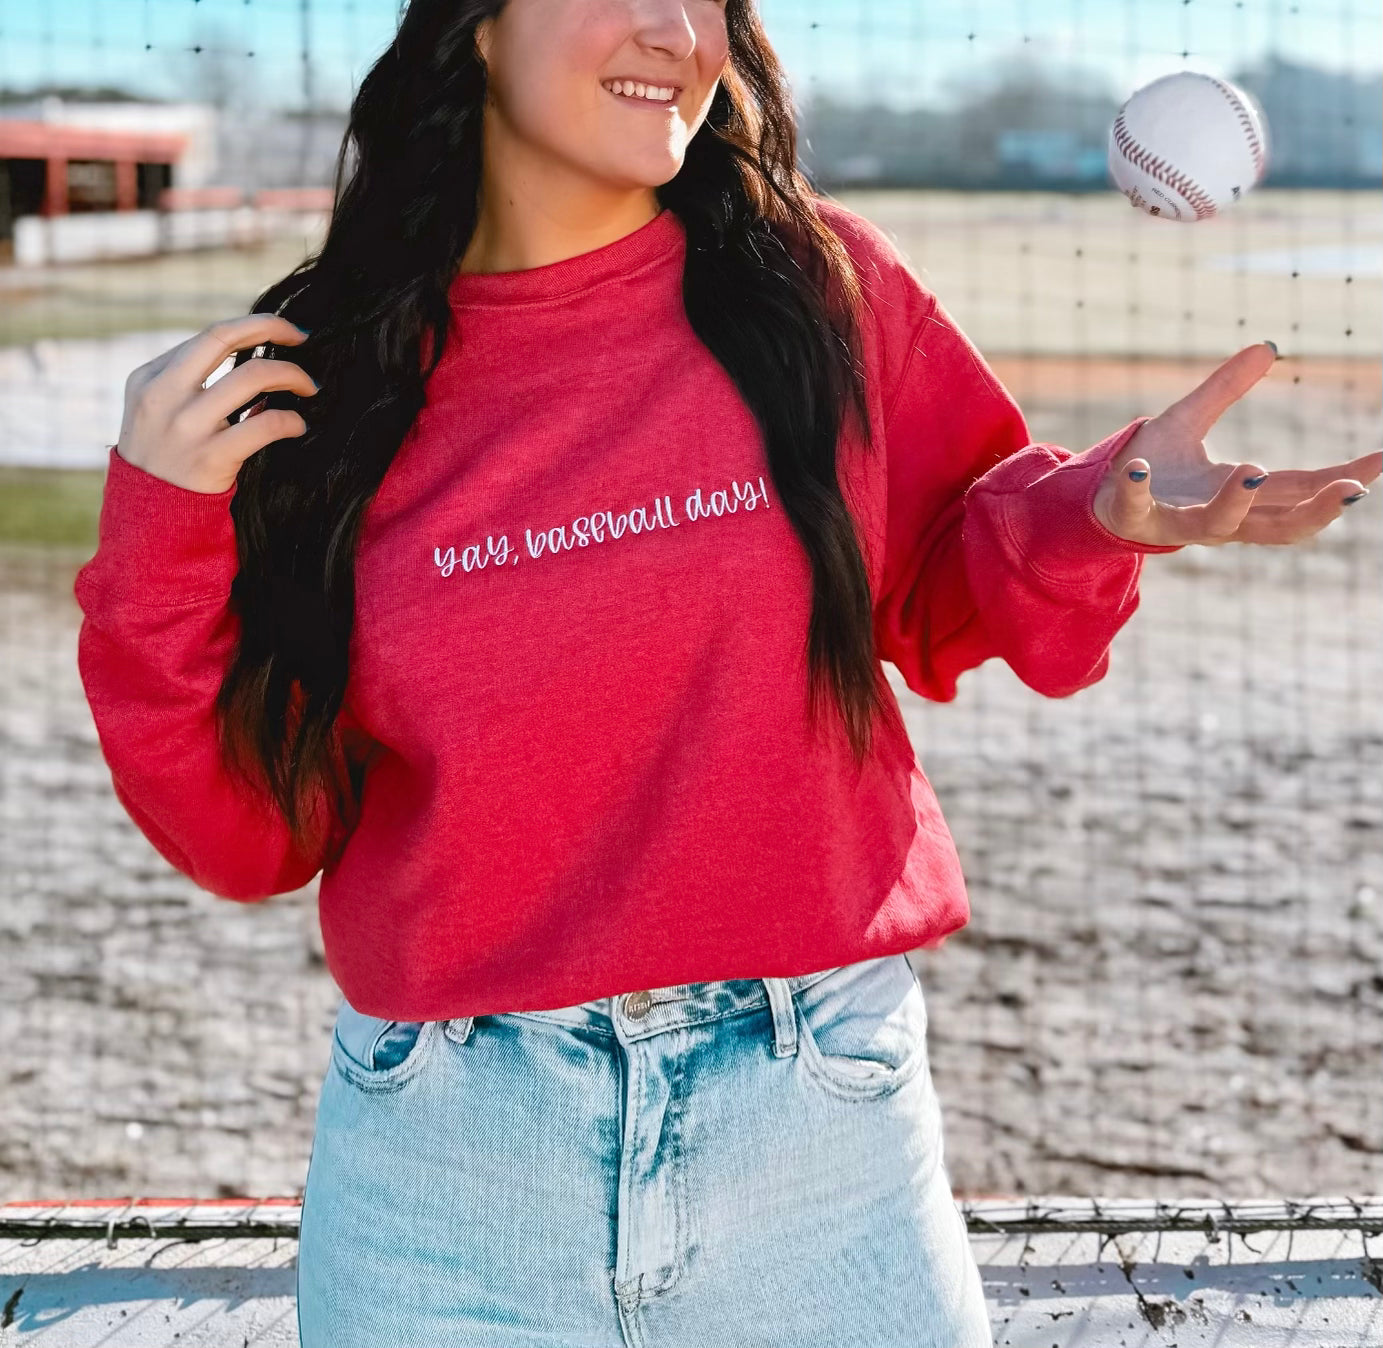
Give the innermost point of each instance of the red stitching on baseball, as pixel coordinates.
(1255, 146)
(1156, 168)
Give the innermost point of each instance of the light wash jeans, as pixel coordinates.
(735, 1164)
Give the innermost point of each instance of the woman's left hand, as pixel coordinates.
(1184, 498)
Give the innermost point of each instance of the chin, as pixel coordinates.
(647, 171)
(659, 177)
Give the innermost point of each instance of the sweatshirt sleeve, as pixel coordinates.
(992, 545)
(157, 635)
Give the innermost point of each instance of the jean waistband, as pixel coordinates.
(652, 1010)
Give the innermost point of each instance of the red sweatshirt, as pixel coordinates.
(579, 655)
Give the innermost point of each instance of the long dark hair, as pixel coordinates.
(768, 288)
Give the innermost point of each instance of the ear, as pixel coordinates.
(482, 40)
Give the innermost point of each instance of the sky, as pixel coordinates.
(904, 52)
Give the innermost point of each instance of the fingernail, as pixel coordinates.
(1256, 481)
(1137, 474)
(1358, 496)
(1273, 345)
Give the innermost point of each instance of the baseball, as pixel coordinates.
(1187, 145)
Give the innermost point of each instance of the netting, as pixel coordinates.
(1170, 982)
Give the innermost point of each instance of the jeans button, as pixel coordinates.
(638, 1004)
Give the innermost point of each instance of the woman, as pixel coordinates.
(622, 449)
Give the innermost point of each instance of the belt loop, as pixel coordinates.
(784, 1017)
(459, 1028)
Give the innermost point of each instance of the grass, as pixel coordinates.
(57, 507)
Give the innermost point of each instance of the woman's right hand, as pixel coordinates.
(177, 429)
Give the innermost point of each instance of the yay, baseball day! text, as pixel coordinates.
(601, 526)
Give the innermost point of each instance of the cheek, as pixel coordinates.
(710, 24)
(554, 111)
(712, 42)
(552, 84)
(712, 51)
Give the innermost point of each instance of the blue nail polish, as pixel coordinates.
(1358, 496)
(1256, 481)
(1266, 342)
(1138, 474)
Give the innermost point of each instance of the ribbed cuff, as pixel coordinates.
(159, 543)
(1067, 496)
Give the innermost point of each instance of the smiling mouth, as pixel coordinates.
(617, 88)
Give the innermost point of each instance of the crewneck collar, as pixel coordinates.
(572, 275)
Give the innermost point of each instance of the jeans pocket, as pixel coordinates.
(377, 1054)
(863, 1028)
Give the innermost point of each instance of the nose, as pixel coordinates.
(663, 26)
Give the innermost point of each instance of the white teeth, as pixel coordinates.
(632, 89)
